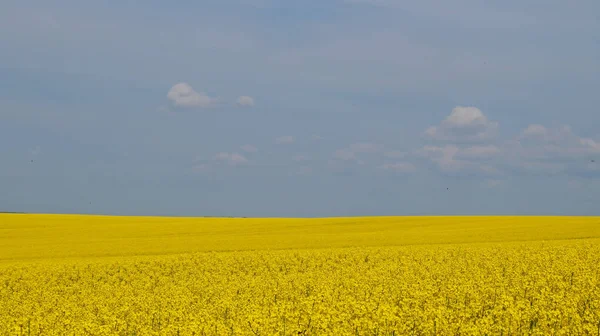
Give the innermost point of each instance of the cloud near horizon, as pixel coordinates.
(466, 142)
(464, 124)
(470, 144)
(246, 101)
(183, 95)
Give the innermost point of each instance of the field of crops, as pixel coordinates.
(91, 275)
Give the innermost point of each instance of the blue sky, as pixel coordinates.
(312, 108)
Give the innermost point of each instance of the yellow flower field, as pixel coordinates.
(93, 275)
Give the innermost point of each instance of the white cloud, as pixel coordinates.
(249, 149)
(464, 124)
(536, 150)
(542, 150)
(233, 159)
(316, 137)
(451, 158)
(245, 101)
(288, 139)
(444, 157)
(399, 167)
(541, 143)
(183, 95)
(541, 134)
(534, 130)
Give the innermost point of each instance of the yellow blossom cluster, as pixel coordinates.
(533, 288)
(467, 284)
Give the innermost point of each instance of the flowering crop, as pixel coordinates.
(474, 288)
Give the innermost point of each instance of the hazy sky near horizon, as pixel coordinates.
(300, 108)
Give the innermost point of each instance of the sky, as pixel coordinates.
(265, 108)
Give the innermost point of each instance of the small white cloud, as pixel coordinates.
(546, 150)
(541, 143)
(183, 95)
(233, 159)
(535, 130)
(444, 157)
(399, 167)
(464, 124)
(316, 137)
(245, 101)
(352, 152)
(466, 116)
(288, 139)
(249, 149)
(590, 143)
(451, 158)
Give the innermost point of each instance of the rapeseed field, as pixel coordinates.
(95, 275)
